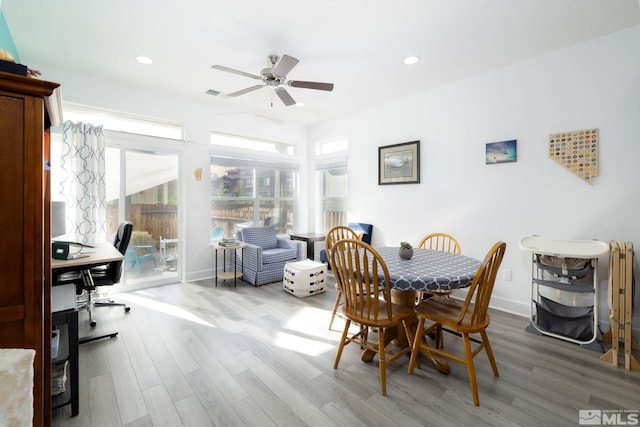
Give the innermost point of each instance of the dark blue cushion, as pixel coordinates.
(365, 229)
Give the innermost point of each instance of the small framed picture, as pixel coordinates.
(399, 163)
(501, 152)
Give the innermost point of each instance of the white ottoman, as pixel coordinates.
(305, 278)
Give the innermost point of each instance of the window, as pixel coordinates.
(333, 192)
(331, 183)
(242, 142)
(331, 146)
(244, 196)
(123, 122)
(254, 191)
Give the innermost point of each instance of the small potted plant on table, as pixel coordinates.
(406, 250)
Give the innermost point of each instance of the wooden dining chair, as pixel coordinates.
(337, 233)
(439, 242)
(366, 288)
(463, 318)
(445, 243)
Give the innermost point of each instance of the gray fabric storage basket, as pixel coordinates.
(565, 320)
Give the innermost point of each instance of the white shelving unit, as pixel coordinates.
(564, 287)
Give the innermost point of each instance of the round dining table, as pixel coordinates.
(427, 270)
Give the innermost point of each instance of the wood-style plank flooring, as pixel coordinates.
(196, 355)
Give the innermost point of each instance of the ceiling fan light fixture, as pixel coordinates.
(275, 77)
(410, 60)
(144, 60)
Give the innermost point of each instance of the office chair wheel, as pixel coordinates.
(127, 309)
(93, 323)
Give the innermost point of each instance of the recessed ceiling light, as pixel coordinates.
(299, 104)
(144, 60)
(410, 60)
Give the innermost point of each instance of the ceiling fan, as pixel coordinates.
(274, 76)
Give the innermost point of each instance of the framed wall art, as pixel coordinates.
(399, 163)
(501, 152)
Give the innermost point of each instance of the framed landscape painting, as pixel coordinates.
(399, 163)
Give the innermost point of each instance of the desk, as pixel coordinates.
(310, 238)
(67, 320)
(103, 253)
(427, 270)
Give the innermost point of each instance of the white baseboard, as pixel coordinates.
(199, 275)
(510, 306)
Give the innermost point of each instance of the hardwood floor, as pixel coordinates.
(195, 355)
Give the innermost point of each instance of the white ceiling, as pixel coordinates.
(356, 44)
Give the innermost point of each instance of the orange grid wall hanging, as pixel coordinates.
(576, 151)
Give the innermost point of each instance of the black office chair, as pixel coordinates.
(107, 275)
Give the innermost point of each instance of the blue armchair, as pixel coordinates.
(265, 255)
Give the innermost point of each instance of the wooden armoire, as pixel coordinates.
(25, 275)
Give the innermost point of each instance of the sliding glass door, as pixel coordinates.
(142, 187)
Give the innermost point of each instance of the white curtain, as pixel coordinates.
(82, 181)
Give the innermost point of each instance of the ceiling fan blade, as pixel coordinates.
(311, 85)
(247, 90)
(284, 65)
(284, 96)
(231, 70)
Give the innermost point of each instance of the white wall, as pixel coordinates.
(594, 84)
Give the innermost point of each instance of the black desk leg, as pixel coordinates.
(73, 356)
(311, 250)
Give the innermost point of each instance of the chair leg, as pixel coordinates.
(335, 308)
(471, 372)
(111, 304)
(90, 304)
(489, 350)
(342, 343)
(439, 336)
(382, 361)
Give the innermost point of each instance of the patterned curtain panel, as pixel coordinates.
(82, 181)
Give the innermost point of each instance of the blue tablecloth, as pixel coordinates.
(428, 270)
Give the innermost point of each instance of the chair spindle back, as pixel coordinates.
(440, 242)
(476, 303)
(364, 280)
